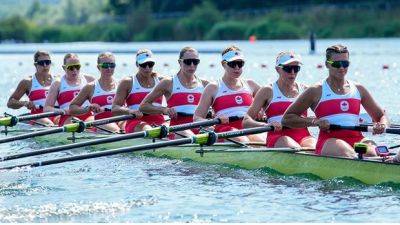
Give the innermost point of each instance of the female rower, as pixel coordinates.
(182, 92)
(276, 98)
(65, 89)
(336, 101)
(133, 89)
(230, 96)
(36, 87)
(99, 93)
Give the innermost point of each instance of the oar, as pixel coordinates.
(73, 127)
(201, 139)
(363, 128)
(157, 132)
(13, 120)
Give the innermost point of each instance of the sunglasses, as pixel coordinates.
(107, 65)
(233, 64)
(147, 64)
(289, 69)
(43, 62)
(73, 66)
(189, 62)
(338, 64)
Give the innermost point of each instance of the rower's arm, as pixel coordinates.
(123, 90)
(52, 97)
(254, 86)
(373, 109)
(163, 88)
(89, 78)
(14, 101)
(205, 102)
(292, 117)
(75, 108)
(261, 99)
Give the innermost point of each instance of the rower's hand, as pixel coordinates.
(30, 105)
(260, 115)
(322, 124)
(277, 126)
(136, 113)
(171, 112)
(223, 119)
(378, 128)
(95, 108)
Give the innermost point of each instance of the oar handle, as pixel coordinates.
(342, 127)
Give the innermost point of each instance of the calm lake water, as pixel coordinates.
(140, 189)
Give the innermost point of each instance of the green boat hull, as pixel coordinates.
(288, 163)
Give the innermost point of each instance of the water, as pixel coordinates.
(140, 189)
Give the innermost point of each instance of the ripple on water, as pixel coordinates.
(75, 211)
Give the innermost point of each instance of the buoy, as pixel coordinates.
(20, 63)
(263, 65)
(252, 38)
(212, 65)
(166, 64)
(385, 66)
(124, 64)
(87, 63)
(319, 66)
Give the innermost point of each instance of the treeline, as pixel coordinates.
(204, 21)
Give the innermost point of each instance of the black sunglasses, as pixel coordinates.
(289, 69)
(147, 64)
(107, 65)
(43, 62)
(189, 62)
(338, 64)
(233, 64)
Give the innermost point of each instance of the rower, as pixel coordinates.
(276, 98)
(336, 101)
(182, 92)
(36, 87)
(99, 93)
(133, 89)
(230, 96)
(66, 88)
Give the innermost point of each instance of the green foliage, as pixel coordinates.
(274, 29)
(15, 28)
(200, 20)
(230, 30)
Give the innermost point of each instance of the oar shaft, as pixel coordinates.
(109, 120)
(39, 116)
(75, 145)
(154, 133)
(244, 132)
(29, 135)
(107, 153)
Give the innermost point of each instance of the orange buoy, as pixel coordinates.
(252, 38)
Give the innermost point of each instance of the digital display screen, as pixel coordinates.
(382, 149)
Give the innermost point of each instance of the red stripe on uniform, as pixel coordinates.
(338, 106)
(37, 95)
(233, 100)
(67, 96)
(103, 100)
(178, 99)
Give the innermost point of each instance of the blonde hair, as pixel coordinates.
(230, 48)
(335, 49)
(70, 55)
(105, 55)
(40, 53)
(186, 49)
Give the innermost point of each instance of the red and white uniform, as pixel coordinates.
(135, 97)
(37, 95)
(274, 113)
(104, 99)
(228, 102)
(339, 109)
(184, 100)
(65, 96)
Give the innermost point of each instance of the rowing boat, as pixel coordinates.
(253, 156)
